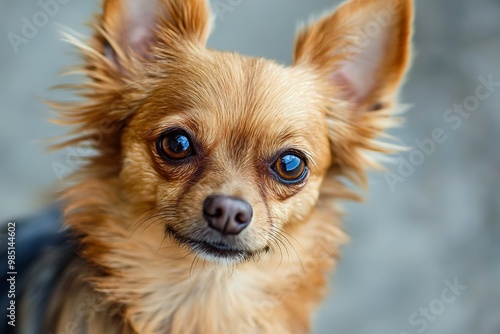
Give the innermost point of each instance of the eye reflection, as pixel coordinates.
(179, 144)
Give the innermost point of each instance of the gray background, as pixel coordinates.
(440, 224)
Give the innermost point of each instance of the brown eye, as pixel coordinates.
(290, 168)
(174, 145)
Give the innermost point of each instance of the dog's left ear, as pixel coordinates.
(359, 55)
(363, 48)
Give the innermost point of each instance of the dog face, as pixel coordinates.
(227, 152)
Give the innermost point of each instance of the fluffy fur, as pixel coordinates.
(148, 69)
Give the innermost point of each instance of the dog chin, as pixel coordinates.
(215, 252)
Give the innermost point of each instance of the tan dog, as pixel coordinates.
(209, 207)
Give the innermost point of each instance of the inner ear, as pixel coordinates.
(357, 74)
(129, 28)
(131, 24)
(139, 29)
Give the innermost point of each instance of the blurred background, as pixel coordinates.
(430, 225)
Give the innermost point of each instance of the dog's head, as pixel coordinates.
(227, 152)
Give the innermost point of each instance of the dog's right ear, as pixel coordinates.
(129, 35)
(130, 29)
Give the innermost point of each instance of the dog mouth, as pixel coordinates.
(217, 250)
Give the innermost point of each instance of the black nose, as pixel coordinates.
(227, 215)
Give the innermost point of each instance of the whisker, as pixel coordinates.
(283, 239)
(143, 213)
(193, 265)
(161, 244)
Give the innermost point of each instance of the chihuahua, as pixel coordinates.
(209, 204)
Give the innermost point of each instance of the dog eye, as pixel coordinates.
(175, 145)
(290, 168)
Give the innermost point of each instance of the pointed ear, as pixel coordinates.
(363, 49)
(130, 28)
(128, 35)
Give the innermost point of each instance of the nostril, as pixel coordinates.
(218, 212)
(241, 218)
(212, 207)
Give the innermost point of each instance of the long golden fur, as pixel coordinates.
(128, 207)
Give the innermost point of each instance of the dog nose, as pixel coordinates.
(226, 214)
